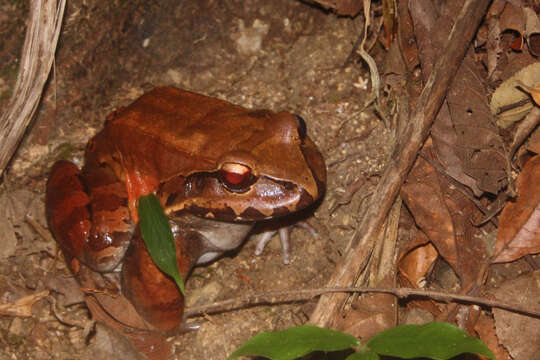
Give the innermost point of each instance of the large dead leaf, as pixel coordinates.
(511, 18)
(110, 344)
(423, 196)
(110, 307)
(532, 30)
(485, 328)
(478, 146)
(519, 225)
(67, 286)
(152, 344)
(473, 260)
(445, 141)
(444, 214)
(520, 334)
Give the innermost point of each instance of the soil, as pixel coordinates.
(279, 55)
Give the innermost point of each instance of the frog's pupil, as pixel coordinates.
(235, 178)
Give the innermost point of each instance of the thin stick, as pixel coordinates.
(306, 294)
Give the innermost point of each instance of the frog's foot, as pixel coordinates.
(265, 237)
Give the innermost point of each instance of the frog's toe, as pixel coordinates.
(265, 237)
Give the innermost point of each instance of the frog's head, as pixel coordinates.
(268, 167)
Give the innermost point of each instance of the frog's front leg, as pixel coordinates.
(88, 215)
(154, 294)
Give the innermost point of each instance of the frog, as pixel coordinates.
(215, 167)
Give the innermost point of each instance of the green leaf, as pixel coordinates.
(436, 340)
(294, 342)
(364, 355)
(157, 235)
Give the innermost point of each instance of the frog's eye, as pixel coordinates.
(302, 128)
(236, 177)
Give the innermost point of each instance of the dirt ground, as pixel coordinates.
(278, 54)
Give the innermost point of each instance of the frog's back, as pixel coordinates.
(169, 130)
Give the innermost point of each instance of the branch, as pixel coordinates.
(276, 297)
(35, 65)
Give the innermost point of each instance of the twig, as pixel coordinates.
(45, 235)
(406, 150)
(285, 296)
(64, 319)
(373, 71)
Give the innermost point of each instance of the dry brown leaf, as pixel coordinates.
(111, 344)
(445, 142)
(152, 344)
(485, 328)
(512, 19)
(496, 8)
(444, 214)
(520, 334)
(67, 286)
(422, 194)
(108, 306)
(105, 292)
(413, 272)
(416, 265)
(519, 223)
(22, 306)
(478, 145)
(473, 259)
(532, 30)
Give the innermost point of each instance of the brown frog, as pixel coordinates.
(216, 169)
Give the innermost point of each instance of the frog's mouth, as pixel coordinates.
(204, 195)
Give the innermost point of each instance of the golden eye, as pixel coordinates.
(236, 177)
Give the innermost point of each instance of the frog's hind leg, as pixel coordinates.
(88, 214)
